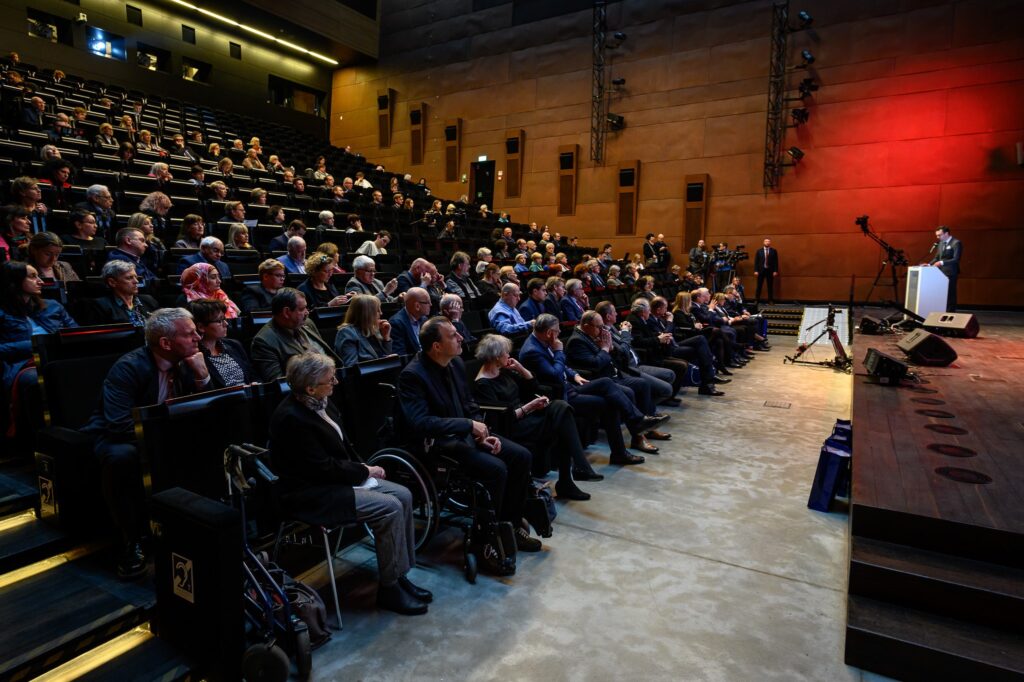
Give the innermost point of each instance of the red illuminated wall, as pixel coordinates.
(915, 124)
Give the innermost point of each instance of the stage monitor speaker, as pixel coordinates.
(958, 325)
(871, 325)
(925, 348)
(885, 368)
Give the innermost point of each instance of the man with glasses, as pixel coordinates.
(179, 149)
(405, 324)
(211, 250)
(459, 281)
(364, 282)
(290, 332)
(259, 296)
(504, 316)
(131, 244)
(99, 201)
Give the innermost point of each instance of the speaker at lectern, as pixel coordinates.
(927, 288)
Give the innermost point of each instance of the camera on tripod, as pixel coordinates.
(739, 254)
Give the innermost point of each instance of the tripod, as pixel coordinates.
(841, 361)
(893, 257)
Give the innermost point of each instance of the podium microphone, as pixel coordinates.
(934, 246)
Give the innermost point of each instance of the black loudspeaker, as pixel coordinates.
(198, 564)
(925, 348)
(870, 325)
(958, 325)
(885, 368)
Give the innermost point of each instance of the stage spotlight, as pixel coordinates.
(618, 81)
(805, 18)
(616, 40)
(800, 116)
(808, 58)
(616, 122)
(795, 153)
(807, 86)
(620, 36)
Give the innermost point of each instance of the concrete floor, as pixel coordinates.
(702, 564)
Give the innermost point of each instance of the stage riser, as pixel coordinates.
(912, 662)
(972, 542)
(963, 602)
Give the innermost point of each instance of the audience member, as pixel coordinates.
(44, 250)
(504, 316)
(259, 296)
(192, 231)
(202, 281)
(364, 282)
(295, 260)
(459, 280)
(377, 246)
(226, 359)
(363, 336)
(14, 233)
(290, 332)
(83, 232)
(318, 289)
(211, 250)
(405, 324)
(452, 308)
(123, 303)
(131, 245)
(322, 480)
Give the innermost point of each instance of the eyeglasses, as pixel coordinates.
(333, 381)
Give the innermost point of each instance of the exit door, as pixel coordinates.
(481, 183)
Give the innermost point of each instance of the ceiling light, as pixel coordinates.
(807, 57)
(805, 18)
(262, 34)
(795, 153)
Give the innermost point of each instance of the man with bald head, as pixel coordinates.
(405, 324)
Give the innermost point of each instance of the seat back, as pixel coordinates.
(72, 365)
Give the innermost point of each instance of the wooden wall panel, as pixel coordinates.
(915, 124)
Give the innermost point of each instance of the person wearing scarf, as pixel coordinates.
(202, 280)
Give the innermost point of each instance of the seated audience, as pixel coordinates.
(452, 308)
(504, 316)
(259, 296)
(296, 228)
(520, 267)
(14, 233)
(83, 232)
(375, 247)
(405, 324)
(44, 255)
(685, 326)
(322, 480)
(459, 280)
(364, 282)
(663, 351)
(193, 229)
(318, 289)
(290, 332)
(663, 381)
(226, 359)
(156, 205)
(613, 276)
(168, 366)
(238, 237)
(545, 427)
(202, 281)
(234, 212)
(600, 399)
(363, 336)
(436, 403)
(155, 249)
(484, 256)
(535, 303)
(131, 246)
(490, 283)
(575, 301)
(123, 304)
(211, 250)
(25, 192)
(295, 260)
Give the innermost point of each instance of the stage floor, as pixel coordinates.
(944, 457)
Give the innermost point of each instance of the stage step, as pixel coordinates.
(25, 539)
(907, 644)
(990, 594)
(783, 320)
(74, 604)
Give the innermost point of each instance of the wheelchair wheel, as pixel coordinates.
(404, 469)
(303, 654)
(265, 663)
(470, 568)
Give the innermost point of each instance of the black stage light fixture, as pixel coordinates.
(795, 153)
(800, 116)
(618, 81)
(616, 122)
(807, 57)
(805, 18)
(807, 86)
(616, 40)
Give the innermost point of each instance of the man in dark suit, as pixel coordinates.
(289, 333)
(260, 296)
(555, 286)
(589, 348)
(211, 250)
(99, 201)
(766, 267)
(32, 114)
(600, 399)
(436, 404)
(533, 306)
(169, 366)
(364, 282)
(124, 304)
(947, 259)
(405, 324)
(131, 244)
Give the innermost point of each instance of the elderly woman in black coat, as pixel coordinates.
(323, 482)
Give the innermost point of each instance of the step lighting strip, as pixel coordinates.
(94, 658)
(255, 31)
(25, 572)
(16, 521)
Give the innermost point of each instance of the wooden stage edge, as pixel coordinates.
(922, 450)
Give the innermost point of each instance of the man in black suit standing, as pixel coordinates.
(947, 258)
(766, 267)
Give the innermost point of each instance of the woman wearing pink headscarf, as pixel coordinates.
(203, 281)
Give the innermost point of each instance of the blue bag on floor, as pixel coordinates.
(830, 478)
(692, 375)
